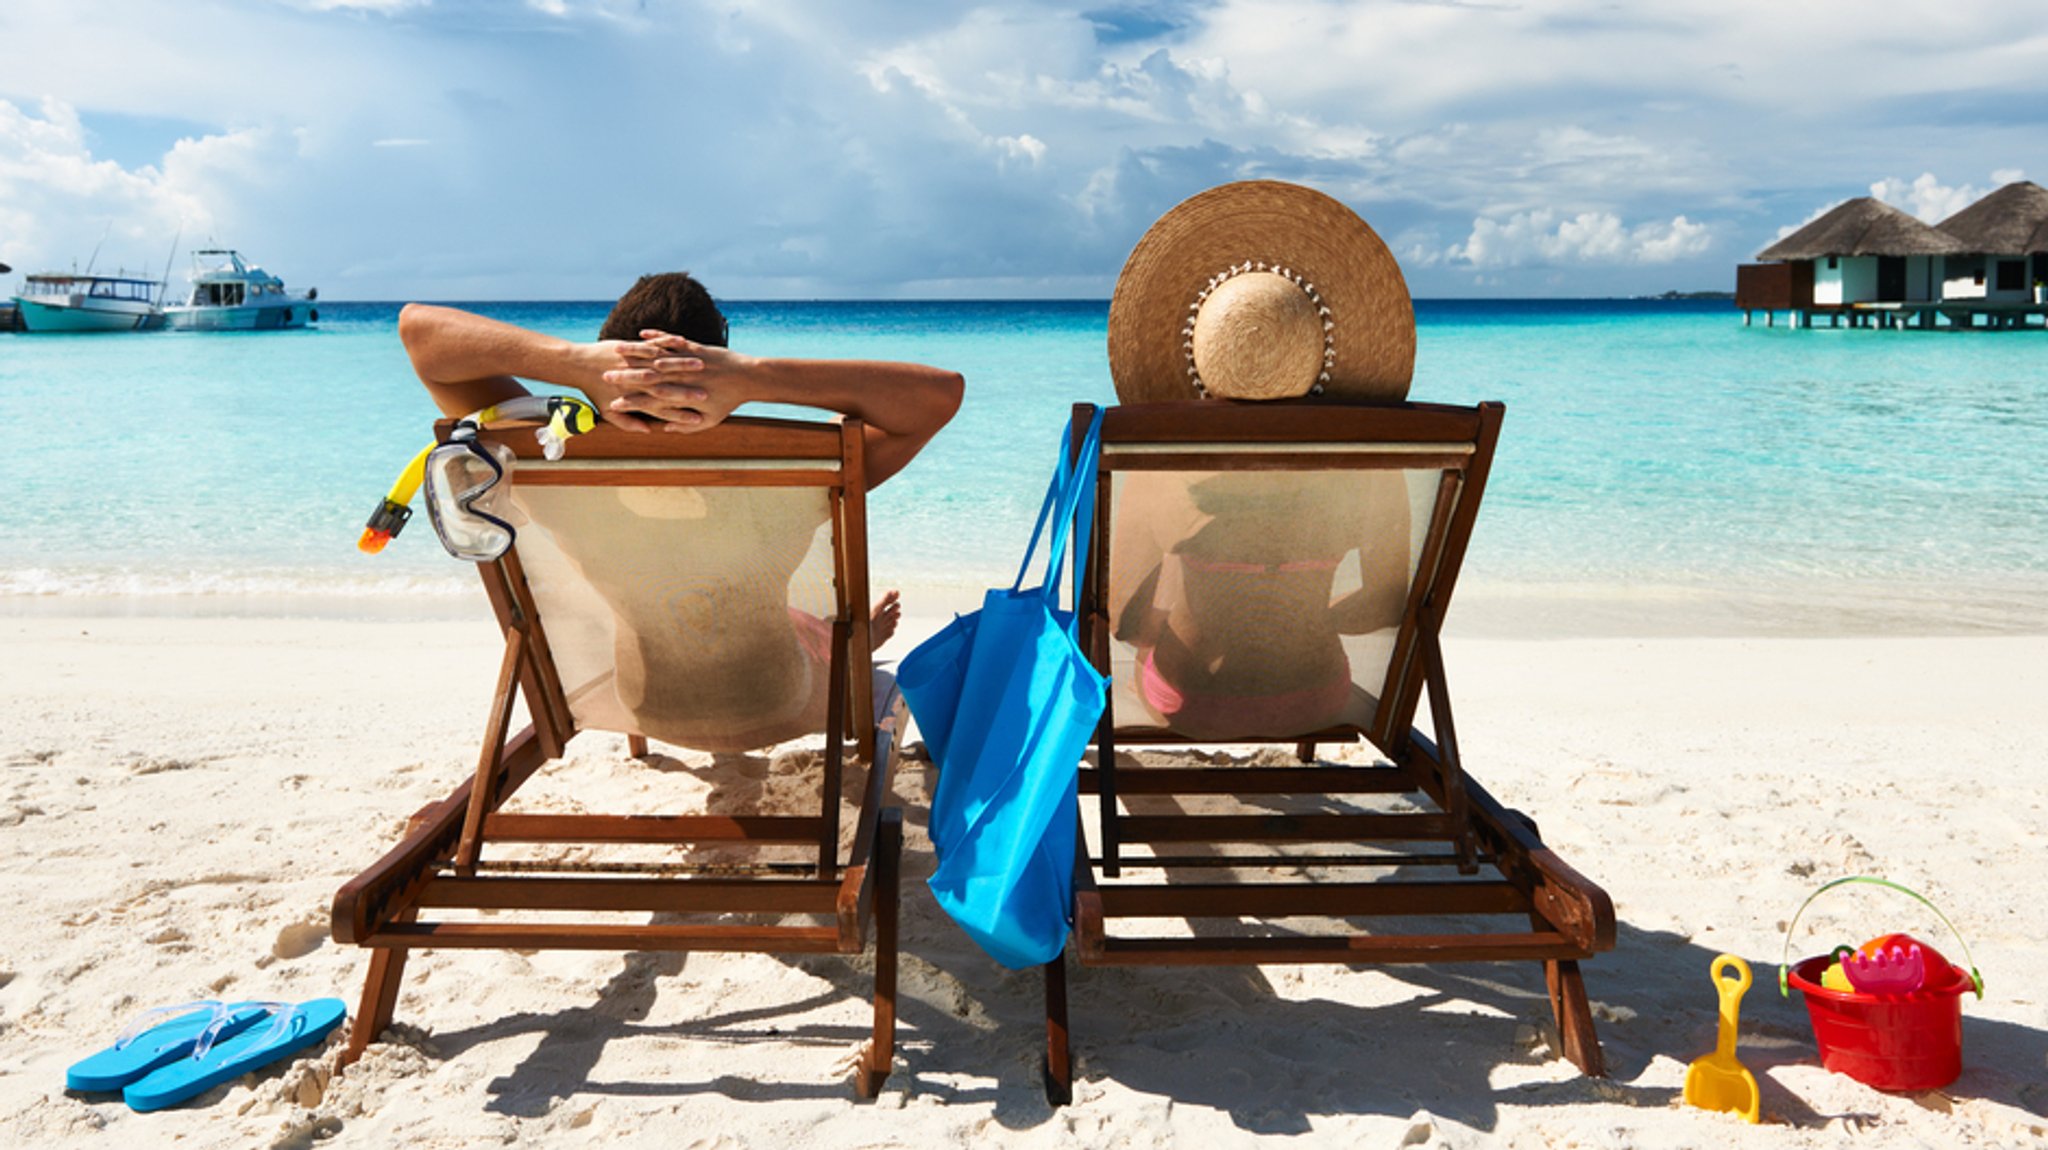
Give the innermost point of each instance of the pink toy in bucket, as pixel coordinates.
(1900, 1025)
(1887, 969)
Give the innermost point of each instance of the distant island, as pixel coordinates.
(1727, 295)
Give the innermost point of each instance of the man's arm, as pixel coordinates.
(689, 387)
(469, 362)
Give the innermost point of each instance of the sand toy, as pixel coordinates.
(1888, 967)
(1719, 1081)
(1897, 1024)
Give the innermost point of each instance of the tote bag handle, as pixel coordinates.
(1072, 490)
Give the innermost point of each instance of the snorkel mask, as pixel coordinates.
(462, 472)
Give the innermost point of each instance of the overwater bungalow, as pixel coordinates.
(2006, 233)
(1864, 261)
(1868, 264)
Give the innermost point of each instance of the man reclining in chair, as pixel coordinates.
(661, 364)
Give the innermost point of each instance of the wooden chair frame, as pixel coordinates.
(396, 905)
(1512, 872)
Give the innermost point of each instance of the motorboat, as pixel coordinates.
(231, 294)
(73, 301)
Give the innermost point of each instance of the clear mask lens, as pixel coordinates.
(463, 485)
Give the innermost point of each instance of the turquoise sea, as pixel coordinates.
(1658, 459)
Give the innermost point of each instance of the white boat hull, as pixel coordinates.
(245, 318)
(85, 313)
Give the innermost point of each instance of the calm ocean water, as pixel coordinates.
(1654, 453)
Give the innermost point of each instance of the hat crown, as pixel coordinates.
(1257, 335)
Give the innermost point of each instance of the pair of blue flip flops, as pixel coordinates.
(174, 1052)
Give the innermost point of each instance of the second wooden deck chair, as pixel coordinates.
(709, 591)
(1278, 573)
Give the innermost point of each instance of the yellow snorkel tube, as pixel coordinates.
(566, 418)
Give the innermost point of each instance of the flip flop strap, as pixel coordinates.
(282, 1010)
(142, 1023)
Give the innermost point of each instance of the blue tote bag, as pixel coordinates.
(1007, 703)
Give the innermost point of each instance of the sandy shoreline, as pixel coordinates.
(180, 796)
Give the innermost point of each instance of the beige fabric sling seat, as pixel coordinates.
(1278, 573)
(707, 590)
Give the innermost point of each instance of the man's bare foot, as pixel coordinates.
(888, 613)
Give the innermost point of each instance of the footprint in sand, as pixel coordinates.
(299, 939)
(1422, 1133)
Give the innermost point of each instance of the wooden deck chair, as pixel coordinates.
(1278, 573)
(710, 591)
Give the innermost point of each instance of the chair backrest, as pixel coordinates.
(1264, 572)
(688, 587)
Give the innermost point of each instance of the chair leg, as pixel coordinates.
(380, 1001)
(636, 746)
(1059, 1061)
(880, 1057)
(1574, 1016)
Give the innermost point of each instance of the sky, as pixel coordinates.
(800, 149)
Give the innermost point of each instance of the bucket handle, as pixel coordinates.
(1784, 955)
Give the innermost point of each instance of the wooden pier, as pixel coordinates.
(1789, 288)
(1949, 315)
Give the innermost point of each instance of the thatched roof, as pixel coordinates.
(1864, 227)
(2010, 221)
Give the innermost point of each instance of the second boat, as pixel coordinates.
(229, 294)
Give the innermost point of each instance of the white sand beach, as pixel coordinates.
(180, 797)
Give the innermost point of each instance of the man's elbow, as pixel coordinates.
(416, 325)
(949, 390)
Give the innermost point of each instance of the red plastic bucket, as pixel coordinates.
(1888, 1041)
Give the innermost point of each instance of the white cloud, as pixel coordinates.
(400, 142)
(1026, 147)
(61, 201)
(1932, 201)
(1663, 244)
(1543, 238)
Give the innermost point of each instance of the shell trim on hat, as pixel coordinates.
(1315, 299)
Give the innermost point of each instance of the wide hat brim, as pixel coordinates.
(1278, 224)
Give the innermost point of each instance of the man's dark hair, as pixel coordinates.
(672, 302)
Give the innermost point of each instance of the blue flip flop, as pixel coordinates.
(157, 1037)
(291, 1029)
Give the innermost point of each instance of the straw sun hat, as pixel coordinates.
(1260, 290)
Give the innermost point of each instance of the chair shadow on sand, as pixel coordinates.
(1232, 1039)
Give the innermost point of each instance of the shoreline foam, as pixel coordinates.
(1483, 608)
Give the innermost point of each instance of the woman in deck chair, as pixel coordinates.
(741, 668)
(1236, 588)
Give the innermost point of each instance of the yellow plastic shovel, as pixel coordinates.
(1717, 1081)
